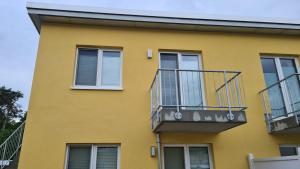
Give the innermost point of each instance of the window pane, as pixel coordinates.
(86, 67)
(79, 157)
(288, 67)
(288, 151)
(293, 87)
(189, 62)
(174, 158)
(275, 93)
(199, 158)
(270, 71)
(111, 66)
(168, 61)
(107, 158)
(190, 81)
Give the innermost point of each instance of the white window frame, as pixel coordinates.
(297, 146)
(98, 85)
(93, 147)
(179, 58)
(186, 153)
(280, 75)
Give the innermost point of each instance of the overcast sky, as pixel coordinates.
(19, 39)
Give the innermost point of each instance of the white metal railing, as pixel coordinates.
(286, 162)
(198, 89)
(282, 99)
(11, 146)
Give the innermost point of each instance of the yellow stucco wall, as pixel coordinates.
(59, 115)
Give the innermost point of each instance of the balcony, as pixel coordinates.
(197, 101)
(281, 102)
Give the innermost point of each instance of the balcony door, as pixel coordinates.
(180, 77)
(285, 96)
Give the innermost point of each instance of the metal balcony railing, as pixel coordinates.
(197, 89)
(10, 147)
(282, 99)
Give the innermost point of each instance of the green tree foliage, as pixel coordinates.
(10, 128)
(10, 111)
(9, 108)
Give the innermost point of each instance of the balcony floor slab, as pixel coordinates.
(206, 121)
(287, 125)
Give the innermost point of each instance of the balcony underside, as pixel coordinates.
(206, 121)
(287, 125)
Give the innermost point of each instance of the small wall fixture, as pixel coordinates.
(153, 151)
(149, 53)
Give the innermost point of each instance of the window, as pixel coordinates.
(98, 69)
(282, 100)
(289, 150)
(189, 77)
(93, 157)
(187, 157)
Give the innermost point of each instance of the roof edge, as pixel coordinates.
(38, 11)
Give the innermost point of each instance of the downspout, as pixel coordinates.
(158, 150)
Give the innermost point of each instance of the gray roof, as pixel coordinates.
(41, 12)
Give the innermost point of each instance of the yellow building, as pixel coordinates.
(145, 90)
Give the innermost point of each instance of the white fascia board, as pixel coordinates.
(36, 10)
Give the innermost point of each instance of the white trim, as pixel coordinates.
(289, 145)
(187, 157)
(119, 157)
(186, 153)
(98, 85)
(284, 158)
(95, 88)
(159, 76)
(93, 153)
(75, 67)
(179, 66)
(121, 68)
(92, 157)
(66, 157)
(99, 67)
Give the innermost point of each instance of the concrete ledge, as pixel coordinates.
(285, 125)
(210, 121)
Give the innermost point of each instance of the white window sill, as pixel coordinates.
(96, 88)
(283, 117)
